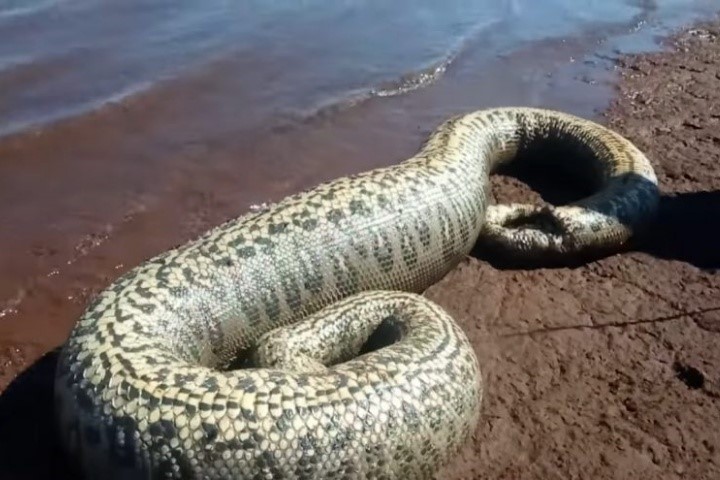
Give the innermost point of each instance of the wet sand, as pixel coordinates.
(93, 196)
(605, 371)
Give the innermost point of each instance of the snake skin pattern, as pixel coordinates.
(346, 373)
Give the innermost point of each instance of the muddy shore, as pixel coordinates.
(611, 370)
(607, 370)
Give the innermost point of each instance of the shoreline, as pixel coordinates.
(96, 195)
(589, 372)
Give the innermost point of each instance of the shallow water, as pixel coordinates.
(129, 127)
(61, 58)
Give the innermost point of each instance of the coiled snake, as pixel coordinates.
(348, 374)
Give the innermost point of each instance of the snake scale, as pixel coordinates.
(348, 372)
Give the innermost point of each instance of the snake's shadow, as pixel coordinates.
(29, 449)
(687, 229)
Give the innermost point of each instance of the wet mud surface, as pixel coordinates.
(606, 370)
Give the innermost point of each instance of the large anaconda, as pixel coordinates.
(146, 386)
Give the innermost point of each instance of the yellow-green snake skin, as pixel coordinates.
(358, 377)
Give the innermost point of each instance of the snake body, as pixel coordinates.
(348, 374)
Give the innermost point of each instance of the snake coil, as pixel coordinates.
(146, 386)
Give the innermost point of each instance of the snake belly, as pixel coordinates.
(146, 385)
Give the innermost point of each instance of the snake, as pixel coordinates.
(295, 342)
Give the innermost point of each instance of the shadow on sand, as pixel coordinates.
(29, 449)
(687, 229)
